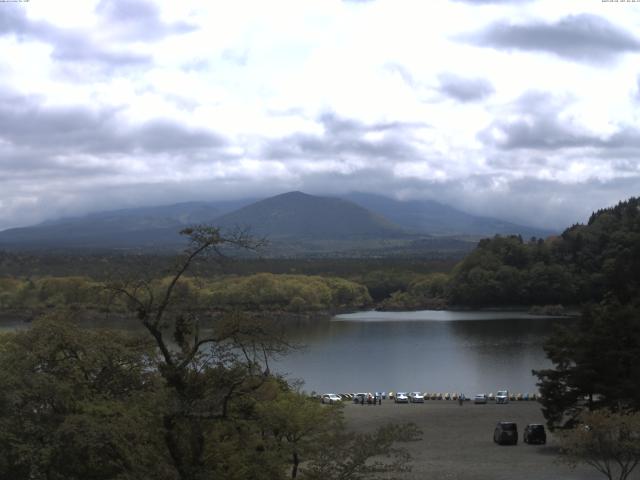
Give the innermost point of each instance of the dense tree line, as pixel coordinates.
(585, 263)
(259, 292)
(293, 293)
(103, 266)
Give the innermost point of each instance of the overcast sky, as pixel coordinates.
(523, 110)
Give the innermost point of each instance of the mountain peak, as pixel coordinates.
(292, 194)
(297, 214)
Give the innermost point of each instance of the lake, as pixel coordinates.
(434, 351)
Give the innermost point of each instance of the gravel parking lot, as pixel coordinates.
(457, 441)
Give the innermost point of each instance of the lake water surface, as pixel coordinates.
(434, 351)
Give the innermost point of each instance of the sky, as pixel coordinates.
(527, 111)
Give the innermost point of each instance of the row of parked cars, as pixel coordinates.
(506, 433)
(501, 397)
(399, 397)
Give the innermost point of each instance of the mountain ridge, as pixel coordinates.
(435, 218)
(294, 221)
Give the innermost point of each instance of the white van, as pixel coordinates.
(502, 396)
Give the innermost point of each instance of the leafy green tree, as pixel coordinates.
(607, 441)
(596, 365)
(75, 404)
(297, 424)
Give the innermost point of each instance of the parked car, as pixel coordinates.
(330, 398)
(401, 397)
(360, 397)
(506, 433)
(480, 398)
(534, 433)
(416, 397)
(502, 396)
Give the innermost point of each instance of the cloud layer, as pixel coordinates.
(585, 37)
(501, 108)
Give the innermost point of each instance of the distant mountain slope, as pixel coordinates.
(294, 216)
(295, 223)
(433, 218)
(298, 215)
(145, 227)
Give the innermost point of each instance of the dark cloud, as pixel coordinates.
(465, 89)
(138, 20)
(536, 123)
(68, 45)
(347, 137)
(169, 136)
(76, 47)
(44, 146)
(584, 37)
(533, 123)
(508, 161)
(26, 123)
(13, 20)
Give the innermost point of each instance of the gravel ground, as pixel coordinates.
(457, 441)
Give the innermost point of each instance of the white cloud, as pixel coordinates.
(215, 99)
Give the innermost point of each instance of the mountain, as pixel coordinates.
(433, 218)
(301, 216)
(144, 227)
(295, 223)
(295, 217)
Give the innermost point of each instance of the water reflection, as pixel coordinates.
(468, 352)
(446, 352)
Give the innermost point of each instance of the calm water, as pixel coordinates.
(435, 351)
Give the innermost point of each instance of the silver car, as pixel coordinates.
(416, 397)
(401, 397)
(330, 398)
(480, 398)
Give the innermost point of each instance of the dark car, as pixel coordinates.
(506, 433)
(534, 433)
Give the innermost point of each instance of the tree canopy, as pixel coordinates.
(191, 399)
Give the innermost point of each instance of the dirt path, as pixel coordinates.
(457, 441)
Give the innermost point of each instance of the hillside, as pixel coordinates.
(302, 216)
(433, 218)
(320, 223)
(140, 228)
(295, 223)
(586, 263)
